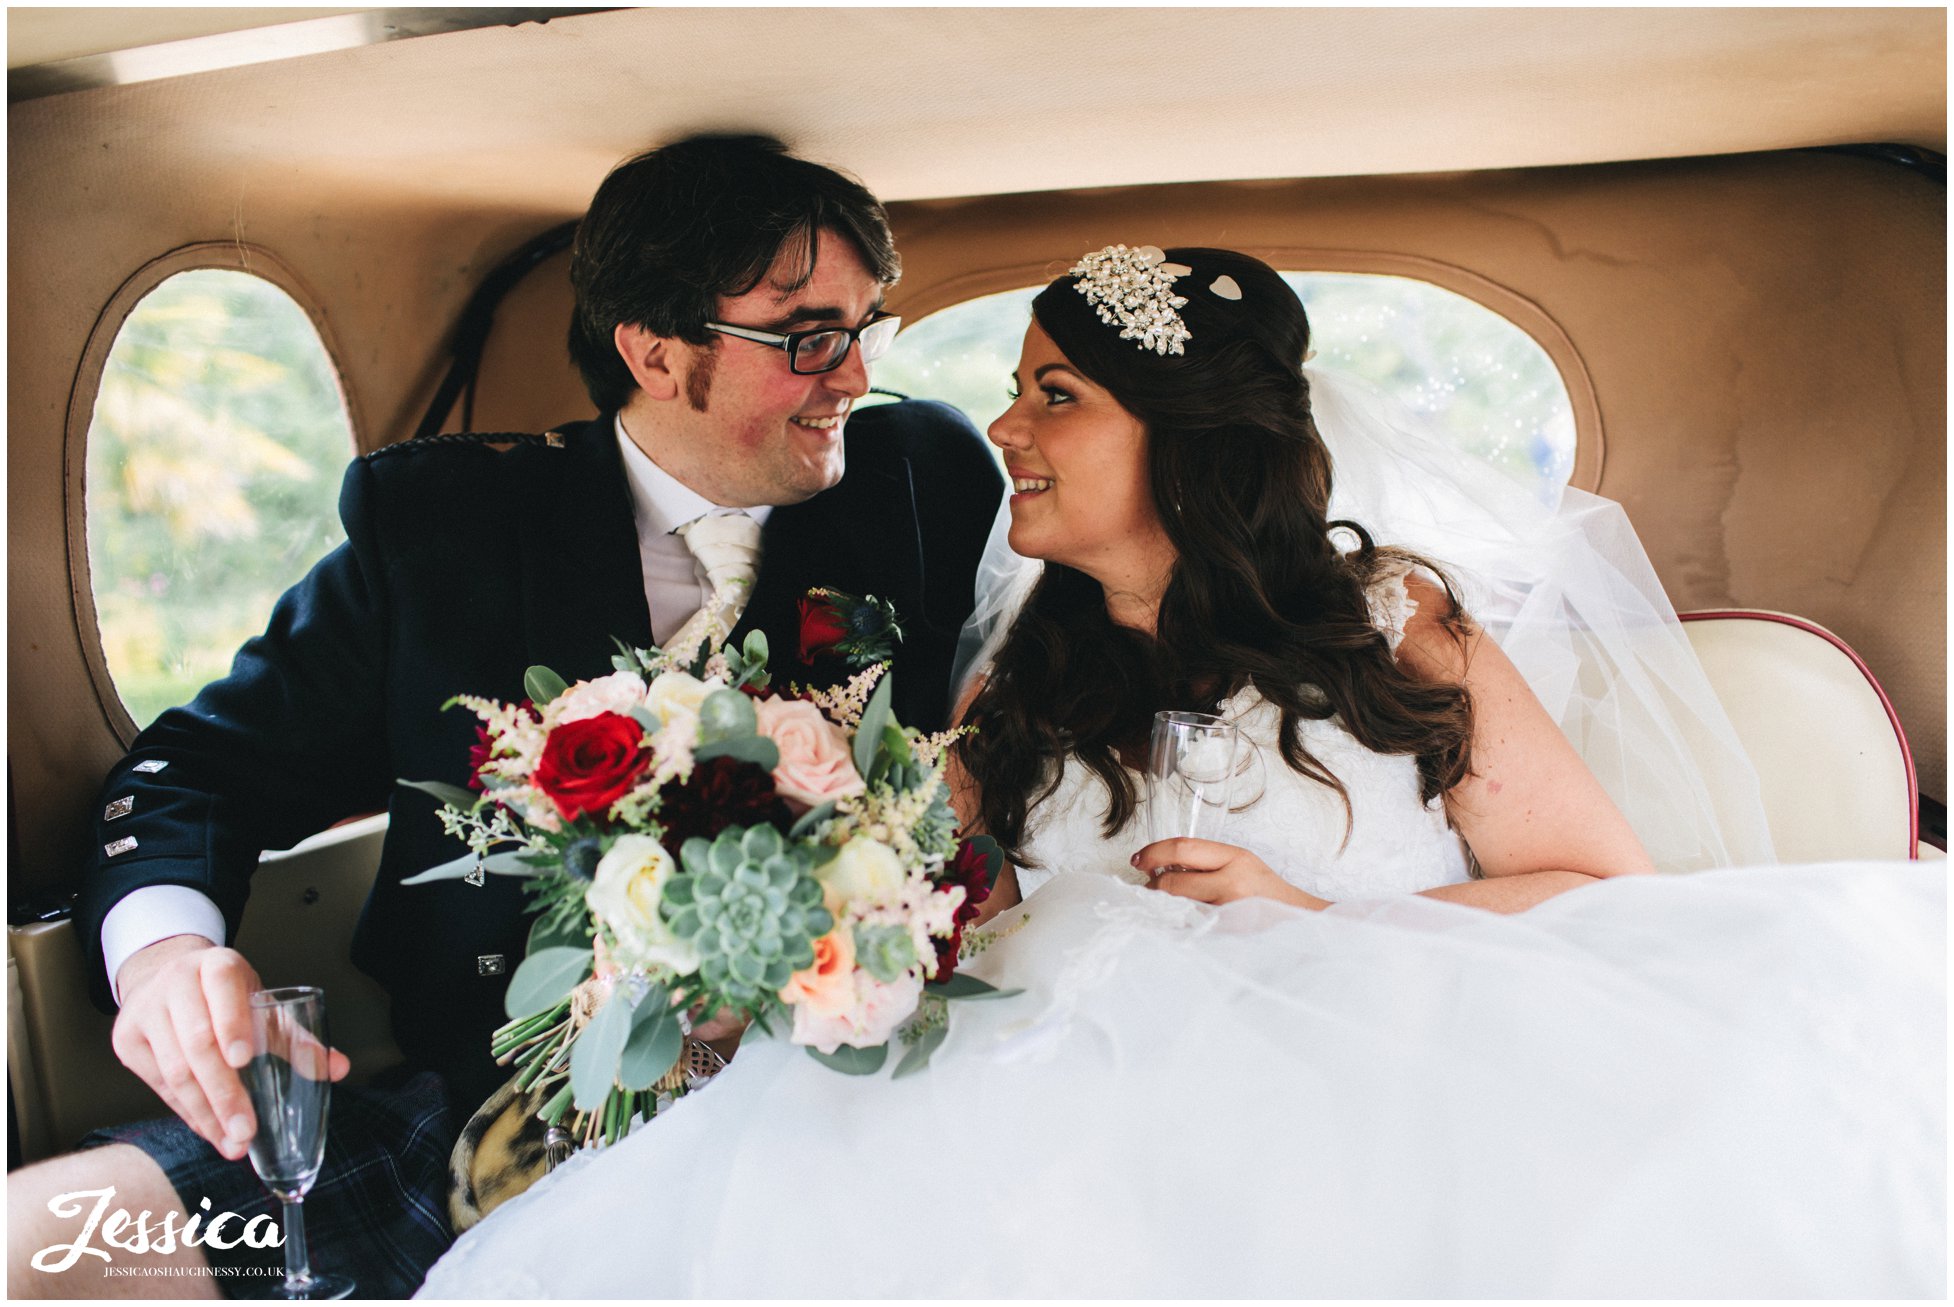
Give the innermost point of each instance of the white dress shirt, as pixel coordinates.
(675, 588)
(675, 584)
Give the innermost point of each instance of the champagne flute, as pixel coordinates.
(290, 1083)
(1190, 768)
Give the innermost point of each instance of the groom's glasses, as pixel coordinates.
(824, 348)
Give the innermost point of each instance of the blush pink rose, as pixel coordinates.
(877, 1010)
(814, 763)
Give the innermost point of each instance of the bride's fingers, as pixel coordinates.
(1201, 886)
(1195, 855)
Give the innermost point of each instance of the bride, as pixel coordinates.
(1304, 1059)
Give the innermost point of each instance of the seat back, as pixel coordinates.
(1832, 760)
(298, 928)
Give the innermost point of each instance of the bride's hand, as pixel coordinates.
(1212, 872)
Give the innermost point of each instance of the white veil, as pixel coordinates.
(1567, 591)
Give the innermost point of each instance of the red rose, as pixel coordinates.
(588, 765)
(821, 627)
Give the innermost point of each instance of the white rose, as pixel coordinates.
(863, 872)
(618, 693)
(625, 893)
(676, 696)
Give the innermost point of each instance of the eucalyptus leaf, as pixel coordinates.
(646, 718)
(545, 979)
(593, 1062)
(452, 795)
(756, 749)
(755, 647)
(920, 1052)
(567, 934)
(813, 817)
(542, 685)
(853, 1061)
(868, 736)
(964, 986)
(992, 853)
(727, 714)
(653, 1046)
(497, 864)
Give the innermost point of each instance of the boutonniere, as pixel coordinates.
(862, 631)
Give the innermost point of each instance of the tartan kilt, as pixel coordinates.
(379, 1211)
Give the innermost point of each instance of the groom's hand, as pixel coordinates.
(722, 1032)
(723, 1024)
(185, 1028)
(1211, 872)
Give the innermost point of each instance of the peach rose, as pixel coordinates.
(827, 988)
(814, 762)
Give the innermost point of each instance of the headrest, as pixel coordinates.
(1832, 759)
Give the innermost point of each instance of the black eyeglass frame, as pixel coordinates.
(792, 341)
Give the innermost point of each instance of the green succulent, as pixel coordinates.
(885, 952)
(747, 902)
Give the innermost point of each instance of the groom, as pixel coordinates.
(727, 302)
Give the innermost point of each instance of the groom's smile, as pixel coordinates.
(743, 428)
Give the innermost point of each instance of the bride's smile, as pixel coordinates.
(1077, 462)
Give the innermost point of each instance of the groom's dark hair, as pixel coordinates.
(672, 230)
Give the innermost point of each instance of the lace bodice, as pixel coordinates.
(1396, 845)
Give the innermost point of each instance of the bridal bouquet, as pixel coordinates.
(695, 845)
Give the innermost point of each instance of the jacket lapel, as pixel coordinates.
(860, 538)
(582, 582)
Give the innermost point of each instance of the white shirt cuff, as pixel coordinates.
(155, 912)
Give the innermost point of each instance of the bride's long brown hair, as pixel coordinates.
(1260, 594)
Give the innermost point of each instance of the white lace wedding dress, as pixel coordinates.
(1730, 1083)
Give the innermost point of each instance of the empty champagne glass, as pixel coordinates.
(1190, 770)
(290, 1083)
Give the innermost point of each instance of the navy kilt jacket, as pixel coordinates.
(467, 560)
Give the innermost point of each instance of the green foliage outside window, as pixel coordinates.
(220, 435)
(214, 460)
(1480, 378)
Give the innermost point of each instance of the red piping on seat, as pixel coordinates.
(1893, 718)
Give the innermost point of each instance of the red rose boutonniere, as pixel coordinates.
(862, 631)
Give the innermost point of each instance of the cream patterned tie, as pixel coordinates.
(727, 545)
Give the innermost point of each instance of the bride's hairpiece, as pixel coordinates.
(1134, 290)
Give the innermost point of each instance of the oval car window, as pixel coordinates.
(1481, 379)
(215, 452)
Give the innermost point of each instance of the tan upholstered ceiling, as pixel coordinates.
(941, 102)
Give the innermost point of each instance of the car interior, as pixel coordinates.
(1719, 233)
